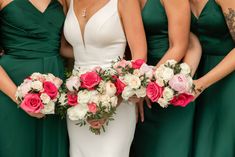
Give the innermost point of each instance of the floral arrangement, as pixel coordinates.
(171, 84)
(133, 76)
(91, 95)
(39, 93)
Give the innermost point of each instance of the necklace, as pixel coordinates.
(85, 10)
(84, 13)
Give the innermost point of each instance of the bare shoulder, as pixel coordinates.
(226, 3)
(228, 8)
(4, 3)
(128, 4)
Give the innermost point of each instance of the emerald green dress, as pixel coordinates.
(31, 41)
(165, 132)
(214, 118)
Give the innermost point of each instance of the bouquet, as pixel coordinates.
(171, 84)
(90, 96)
(39, 93)
(133, 76)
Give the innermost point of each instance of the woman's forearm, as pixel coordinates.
(224, 68)
(6, 85)
(172, 53)
(193, 55)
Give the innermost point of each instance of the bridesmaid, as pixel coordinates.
(213, 22)
(165, 132)
(30, 34)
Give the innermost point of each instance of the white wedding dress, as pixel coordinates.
(104, 41)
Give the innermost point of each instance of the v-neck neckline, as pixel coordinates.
(88, 21)
(36, 9)
(202, 11)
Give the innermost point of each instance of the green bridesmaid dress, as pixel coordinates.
(214, 119)
(31, 41)
(165, 132)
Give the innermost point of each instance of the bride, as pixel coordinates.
(98, 31)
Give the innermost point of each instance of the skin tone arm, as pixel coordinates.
(227, 65)
(7, 86)
(178, 14)
(66, 49)
(193, 55)
(134, 29)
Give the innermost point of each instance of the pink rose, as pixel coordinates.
(154, 91)
(50, 89)
(32, 103)
(90, 80)
(92, 107)
(58, 82)
(119, 85)
(136, 64)
(26, 87)
(182, 100)
(72, 99)
(179, 83)
(122, 64)
(147, 70)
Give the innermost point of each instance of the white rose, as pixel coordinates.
(114, 101)
(84, 97)
(77, 112)
(110, 89)
(171, 62)
(50, 77)
(137, 73)
(185, 69)
(105, 100)
(62, 99)
(133, 81)
(127, 93)
(163, 103)
(140, 93)
(95, 98)
(35, 76)
(73, 83)
(160, 82)
(45, 98)
(168, 93)
(190, 83)
(164, 73)
(167, 74)
(158, 72)
(37, 85)
(49, 108)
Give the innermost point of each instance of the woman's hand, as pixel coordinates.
(140, 108)
(36, 115)
(1, 52)
(199, 88)
(134, 99)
